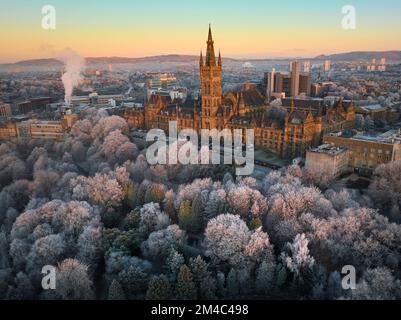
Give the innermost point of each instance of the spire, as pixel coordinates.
(210, 56)
(219, 62)
(292, 105)
(210, 38)
(201, 59)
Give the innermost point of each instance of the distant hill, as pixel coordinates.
(362, 55)
(38, 63)
(171, 58)
(178, 58)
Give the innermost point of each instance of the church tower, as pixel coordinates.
(210, 78)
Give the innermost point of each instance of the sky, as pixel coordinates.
(241, 29)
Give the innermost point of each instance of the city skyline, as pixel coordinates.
(258, 29)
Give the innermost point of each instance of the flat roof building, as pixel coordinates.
(329, 159)
(367, 152)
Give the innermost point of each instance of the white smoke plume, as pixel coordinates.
(73, 65)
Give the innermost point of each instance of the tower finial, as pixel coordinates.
(210, 56)
(219, 61)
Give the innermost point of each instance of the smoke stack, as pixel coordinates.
(73, 65)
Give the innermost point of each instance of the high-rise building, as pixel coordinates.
(383, 61)
(327, 65)
(307, 66)
(295, 71)
(305, 84)
(270, 83)
(288, 84)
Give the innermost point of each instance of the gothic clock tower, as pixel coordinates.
(210, 78)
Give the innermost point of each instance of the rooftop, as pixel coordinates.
(392, 136)
(389, 137)
(328, 149)
(373, 107)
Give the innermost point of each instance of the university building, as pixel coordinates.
(367, 152)
(38, 129)
(303, 126)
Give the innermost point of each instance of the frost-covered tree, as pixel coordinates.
(185, 216)
(23, 289)
(265, 276)
(107, 125)
(168, 205)
(116, 291)
(142, 190)
(216, 203)
(246, 202)
(225, 239)
(298, 257)
(385, 189)
(155, 193)
(134, 280)
(90, 247)
(159, 288)
(157, 246)
(100, 189)
(152, 218)
(46, 251)
(204, 281)
(73, 282)
(173, 264)
(185, 287)
(233, 285)
(377, 284)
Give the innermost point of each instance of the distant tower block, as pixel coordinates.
(270, 84)
(295, 72)
(383, 61)
(373, 61)
(327, 66)
(307, 66)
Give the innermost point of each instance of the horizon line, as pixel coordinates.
(233, 57)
